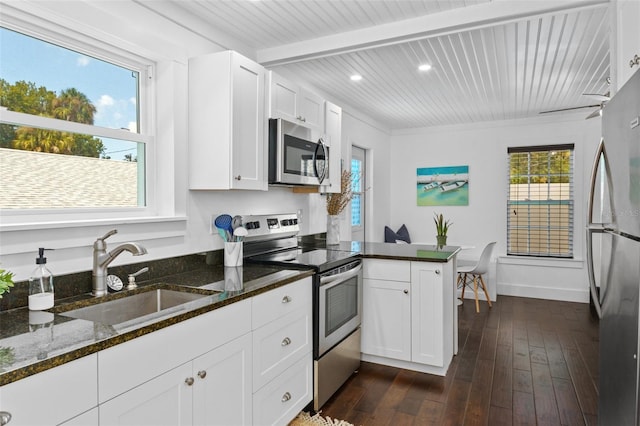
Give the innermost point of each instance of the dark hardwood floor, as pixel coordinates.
(523, 362)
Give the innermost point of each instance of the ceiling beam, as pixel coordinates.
(437, 24)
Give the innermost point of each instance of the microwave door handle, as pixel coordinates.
(340, 277)
(315, 161)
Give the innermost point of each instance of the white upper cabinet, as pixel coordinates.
(227, 126)
(295, 103)
(627, 43)
(333, 139)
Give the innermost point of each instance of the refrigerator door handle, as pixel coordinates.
(592, 278)
(600, 153)
(594, 228)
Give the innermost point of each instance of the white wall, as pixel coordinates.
(483, 147)
(357, 131)
(184, 216)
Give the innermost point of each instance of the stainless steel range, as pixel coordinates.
(337, 295)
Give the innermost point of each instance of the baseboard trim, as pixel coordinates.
(550, 293)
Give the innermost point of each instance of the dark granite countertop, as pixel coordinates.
(411, 252)
(31, 342)
(393, 251)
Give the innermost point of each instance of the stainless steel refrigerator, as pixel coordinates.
(613, 252)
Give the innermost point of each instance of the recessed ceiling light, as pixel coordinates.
(356, 77)
(424, 67)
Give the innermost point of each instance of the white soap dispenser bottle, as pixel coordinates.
(41, 285)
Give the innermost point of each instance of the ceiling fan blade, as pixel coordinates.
(569, 109)
(596, 113)
(598, 97)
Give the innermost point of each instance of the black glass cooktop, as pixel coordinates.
(319, 259)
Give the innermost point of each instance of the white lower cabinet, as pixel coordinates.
(222, 393)
(164, 401)
(278, 402)
(213, 389)
(194, 372)
(214, 369)
(279, 344)
(88, 418)
(427, 312)
(409, 317)
(386, 322)
(282, 353)
(37, 399)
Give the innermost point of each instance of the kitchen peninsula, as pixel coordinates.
(409, 318)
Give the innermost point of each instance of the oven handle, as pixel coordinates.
(330, 279)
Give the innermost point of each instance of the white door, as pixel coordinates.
(90, 418)
(249, 156)
(386, 319)
(222, 390)
(164, 401)
(358, 202)
(427, 313)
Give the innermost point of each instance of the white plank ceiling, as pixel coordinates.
(491, 60)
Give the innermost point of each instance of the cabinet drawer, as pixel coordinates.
(281, 301)
(54, 395)
(390, 270)
(279, 344)
(124, 366)
(282, 399)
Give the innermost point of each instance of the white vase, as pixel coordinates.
(333, 229)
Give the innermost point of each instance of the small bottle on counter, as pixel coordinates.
(41, 285)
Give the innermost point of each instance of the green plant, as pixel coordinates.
(442, 225)
(6, 281)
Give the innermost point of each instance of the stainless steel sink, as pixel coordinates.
(136, 306)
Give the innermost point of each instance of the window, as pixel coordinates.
(71, 129)
(540, 201)
(357, 188)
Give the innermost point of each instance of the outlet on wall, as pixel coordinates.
(212, 225)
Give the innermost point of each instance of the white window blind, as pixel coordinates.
(540, 201)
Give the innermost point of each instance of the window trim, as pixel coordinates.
(59, 35)
(23, 119)
(571, 202)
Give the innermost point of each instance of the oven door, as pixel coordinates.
(339, 305)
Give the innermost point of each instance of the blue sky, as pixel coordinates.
(110, 88)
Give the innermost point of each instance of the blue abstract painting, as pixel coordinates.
(443, 186)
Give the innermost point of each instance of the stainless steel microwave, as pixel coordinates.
(297, 156)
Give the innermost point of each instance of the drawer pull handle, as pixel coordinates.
(437, 271)
(406, 291)
(286, 341)
(189, 381)
(5, 417)
(286, 397)
(202, 374)
(286, 299)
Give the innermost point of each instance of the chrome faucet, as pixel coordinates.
(102, 259)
